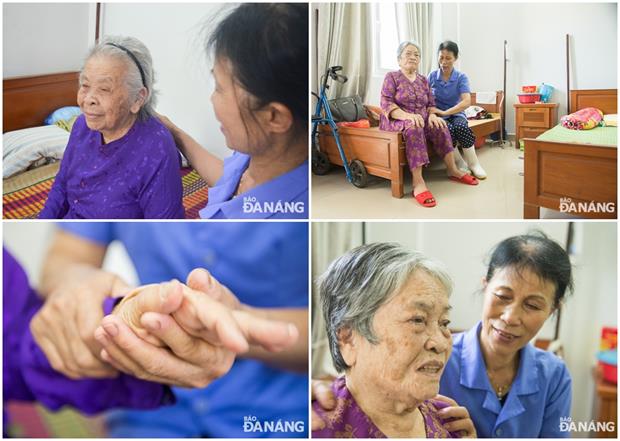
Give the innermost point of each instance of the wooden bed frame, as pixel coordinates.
(383, 152)
(579, 172)
(27, 101)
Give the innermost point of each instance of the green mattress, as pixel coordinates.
(603, 136)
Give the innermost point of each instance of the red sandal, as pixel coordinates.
(465, 179)
(426, 199)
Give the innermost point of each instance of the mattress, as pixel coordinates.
(599, 136)
(25, 195)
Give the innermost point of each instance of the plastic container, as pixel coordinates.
(528, 98)
(528, 89)
(608, 361)
(545, 92)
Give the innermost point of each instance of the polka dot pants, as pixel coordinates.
(460, 131)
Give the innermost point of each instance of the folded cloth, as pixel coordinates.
(584, 119)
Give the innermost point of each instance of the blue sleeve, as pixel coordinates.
(100, 232)
(463, 85)
(558, 407)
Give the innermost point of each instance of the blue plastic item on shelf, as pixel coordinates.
(545, 92)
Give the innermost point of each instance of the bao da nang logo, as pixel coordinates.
(567, 205)
(568, 425)
(254, 425)
(252, 205)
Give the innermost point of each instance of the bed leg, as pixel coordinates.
(397, 188)
(531, 211)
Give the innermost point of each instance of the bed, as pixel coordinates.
(383, 152)
(570, 171)
(27, 101)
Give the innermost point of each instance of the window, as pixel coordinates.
(385, 37)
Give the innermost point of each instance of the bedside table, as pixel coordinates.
(534, 119)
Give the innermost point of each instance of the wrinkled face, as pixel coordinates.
(446, 59)
(103, 96)
(516, 305)
(226, 100)
(409, 58)
(414, 343)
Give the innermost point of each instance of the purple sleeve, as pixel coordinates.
(388, 94)
(56, 205)
(162, 195)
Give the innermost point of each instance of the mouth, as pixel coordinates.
(504, 336)
(92, 115)
(432, 368)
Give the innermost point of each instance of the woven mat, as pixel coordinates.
(25, 195)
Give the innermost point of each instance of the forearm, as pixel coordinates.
(208, 166)
(294, 358)
(459, 107)
(399, 114)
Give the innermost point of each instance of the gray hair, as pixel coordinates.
(357, 283)
(133, 79)
(404, 44)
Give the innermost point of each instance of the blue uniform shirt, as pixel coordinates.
(284, 197)
(539, 398)
(266, 265)
(448, 93)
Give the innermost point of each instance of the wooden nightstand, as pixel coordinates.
(534, 119)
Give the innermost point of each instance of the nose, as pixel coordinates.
(511, 315)
(437, 341)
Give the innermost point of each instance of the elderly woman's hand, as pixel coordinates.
(436, 122)
(416, 120)
(458, 419)
(322, 393)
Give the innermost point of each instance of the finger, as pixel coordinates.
(323, 394)
(201, 280)
(217, 319)
(459, 426)
(453, 412)
(445, 399)
(146, 361)
(270, 334)
(160, 297)
(317, 422)
(87, 364)
(54, 358)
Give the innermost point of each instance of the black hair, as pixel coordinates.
(267, 46)
(536, 252)
(449, 46)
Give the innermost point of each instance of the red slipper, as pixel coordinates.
(426, 199)
(466, 179)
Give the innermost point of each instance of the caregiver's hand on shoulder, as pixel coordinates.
(322, 394)
(64, 326)
(458, 416)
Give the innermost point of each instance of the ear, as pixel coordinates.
(140, 100)
(277, 118)
(485, 282)
(347, 344)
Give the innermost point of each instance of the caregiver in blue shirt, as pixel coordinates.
(452, 96)
(261, 102)
(511, 388)
(264, 264)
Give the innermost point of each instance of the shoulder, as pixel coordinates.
(433, 75)
(462, 76)
(153, 136)
(79, 126)
(552, 371)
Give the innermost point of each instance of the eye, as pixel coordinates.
(502, 297)
(418, 320)
(533, 306)
(445, 323)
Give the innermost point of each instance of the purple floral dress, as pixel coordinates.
(347, 420)
(412, 97)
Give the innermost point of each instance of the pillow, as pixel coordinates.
(27, 147)
(584, 119)
(62, 113)
(611, 120)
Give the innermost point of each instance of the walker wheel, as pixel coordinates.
(358, 173)
(320, 163)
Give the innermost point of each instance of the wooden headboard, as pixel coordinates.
(491, 108)
(27, 101)
(603, 99)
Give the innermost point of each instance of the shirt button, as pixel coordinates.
(499, 432)
(75, 201)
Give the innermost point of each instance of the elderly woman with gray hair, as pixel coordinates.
(386, 311)
(120, 162)
(407, 103)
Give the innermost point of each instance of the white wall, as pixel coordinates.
(41, 38)
(536, 34)
(172, 34)
(463, 247)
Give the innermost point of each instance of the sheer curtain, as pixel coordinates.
(329, 241)
(343, 39)
(415, 22)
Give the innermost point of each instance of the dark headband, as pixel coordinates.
(133, 57)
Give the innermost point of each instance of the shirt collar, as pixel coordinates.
(453, 76)
(285, 188)
(474, 375)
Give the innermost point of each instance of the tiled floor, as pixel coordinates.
(500, 196)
